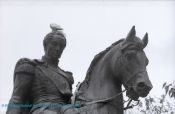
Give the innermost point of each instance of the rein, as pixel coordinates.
(131, 106)
(113, 97)
(105, 100)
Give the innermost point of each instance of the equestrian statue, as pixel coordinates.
(42, 82)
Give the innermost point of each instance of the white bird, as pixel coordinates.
(55, 27)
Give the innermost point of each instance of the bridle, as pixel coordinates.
(135, 75)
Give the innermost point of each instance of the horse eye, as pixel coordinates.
(129, 56)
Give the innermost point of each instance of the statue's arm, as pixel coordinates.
(71, 82)
(23, 77)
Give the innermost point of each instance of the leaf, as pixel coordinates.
(152, 100)
(164, 85)
(161, 101)
(173, 95)
(172, 92)
(140, 104)
(170, 85)
(166, 89)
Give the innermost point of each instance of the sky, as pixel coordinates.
(90, 27)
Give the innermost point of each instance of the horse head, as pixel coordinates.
(129, 65)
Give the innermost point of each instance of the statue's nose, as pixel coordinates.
(57, 48)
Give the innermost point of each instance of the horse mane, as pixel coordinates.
(97, 58)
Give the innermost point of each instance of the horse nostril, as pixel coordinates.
(141, 85)
(149, 88)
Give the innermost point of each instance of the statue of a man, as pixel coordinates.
(39, 84)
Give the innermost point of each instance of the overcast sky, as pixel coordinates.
(90, 27)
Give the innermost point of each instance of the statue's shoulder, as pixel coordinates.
(25, 65)
(69, 76)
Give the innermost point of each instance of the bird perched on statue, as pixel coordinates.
(55, 27)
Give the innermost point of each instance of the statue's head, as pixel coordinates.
(54, 42)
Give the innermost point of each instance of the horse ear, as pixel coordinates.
(131, 34)
(145, 40)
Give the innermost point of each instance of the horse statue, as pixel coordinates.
(123, 63)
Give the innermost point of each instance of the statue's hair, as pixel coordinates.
(50, 35)
(98, 57)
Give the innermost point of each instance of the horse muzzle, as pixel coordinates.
(143, 89)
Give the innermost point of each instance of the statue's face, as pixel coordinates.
(55, 47)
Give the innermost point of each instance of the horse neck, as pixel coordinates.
(102, 83)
